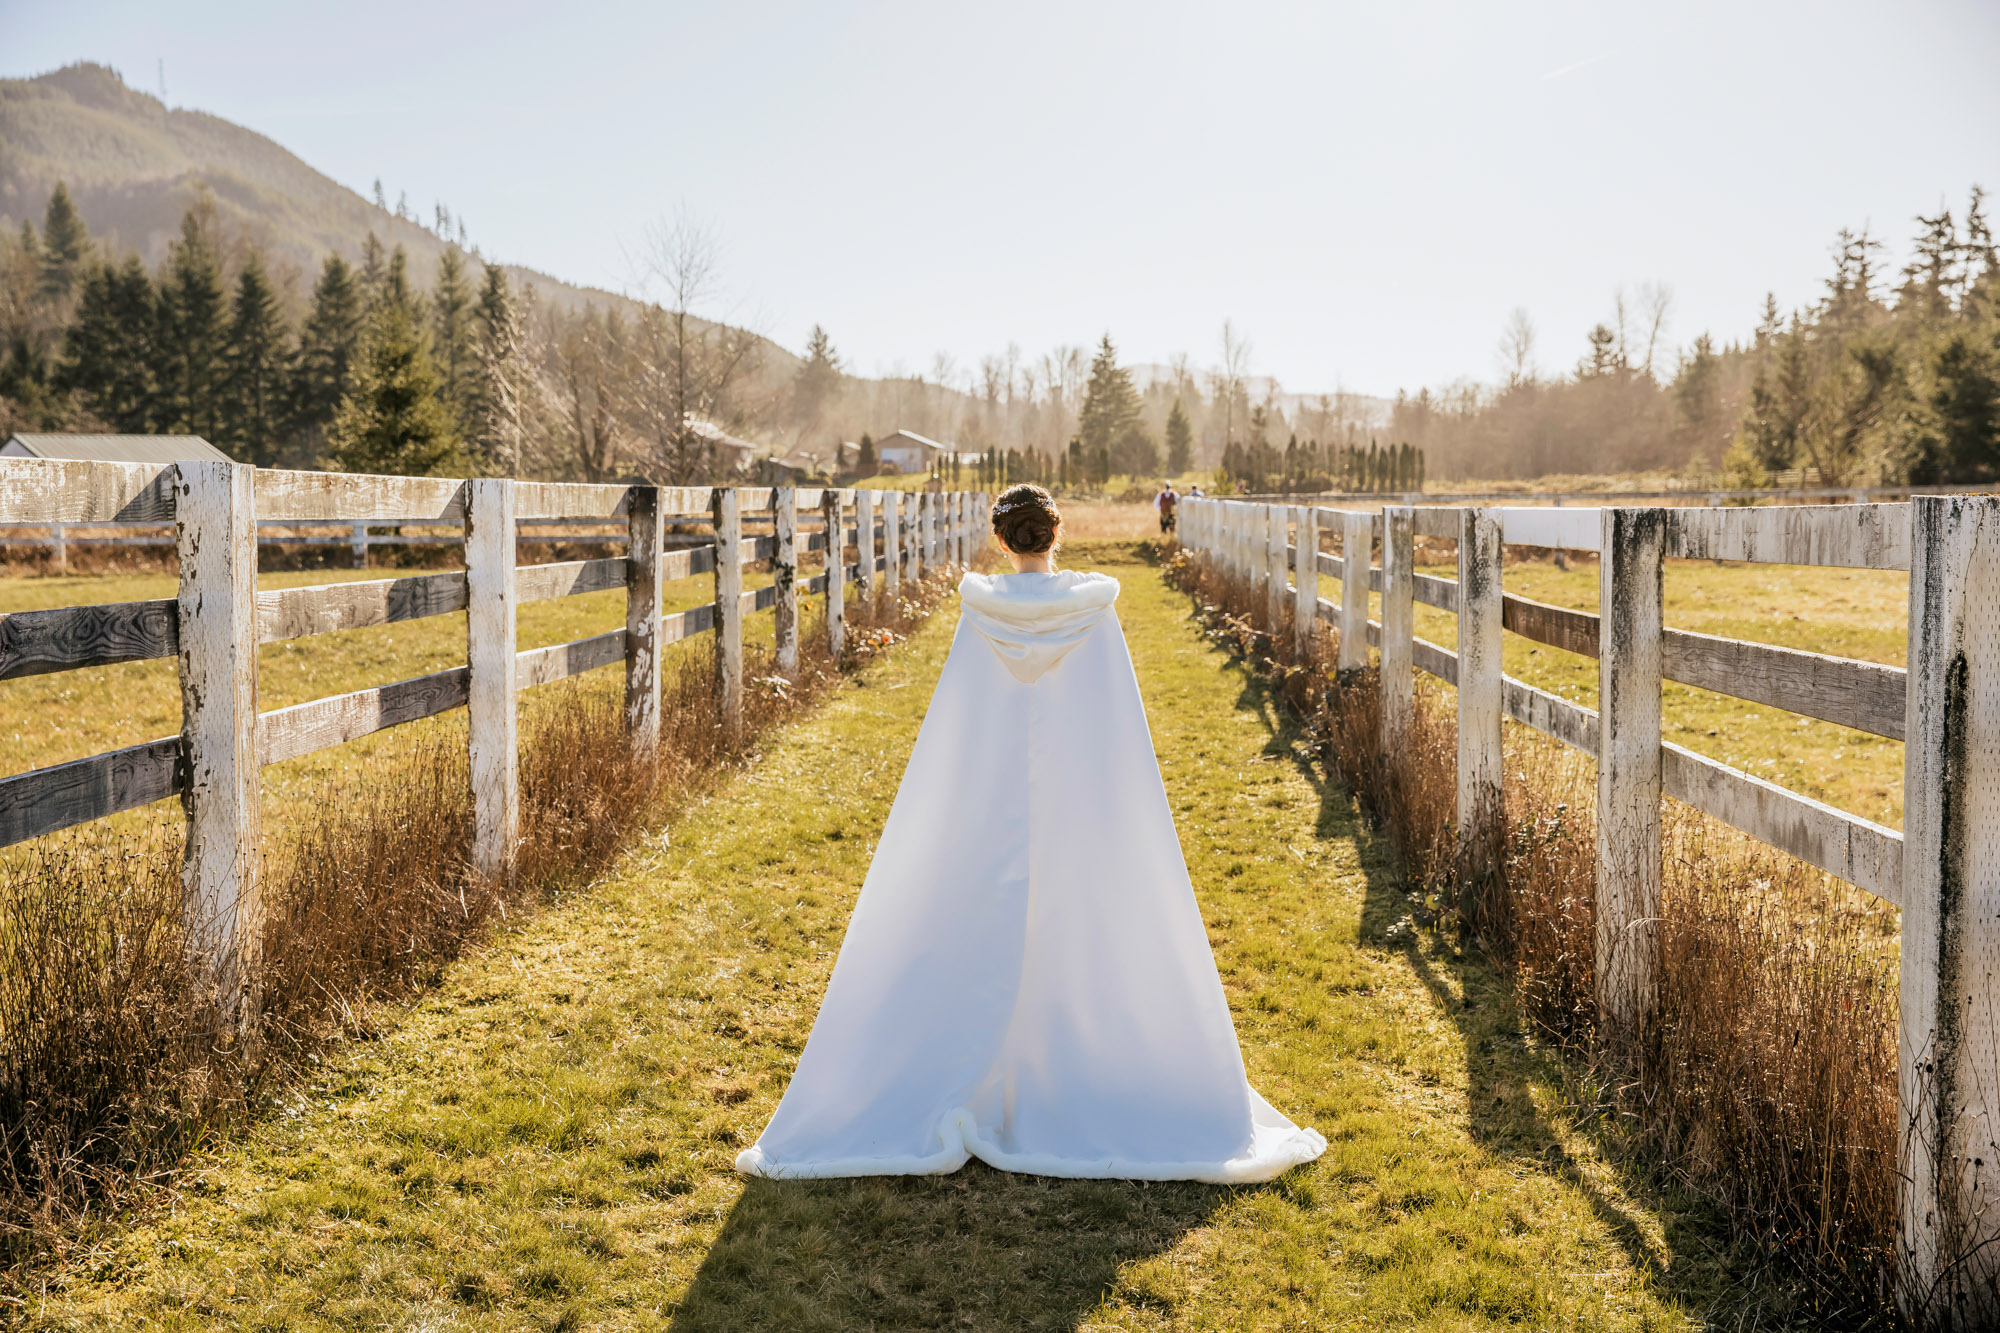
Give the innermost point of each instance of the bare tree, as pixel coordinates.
(1517, 349)
(1655, 300)
(687, 364)
(1230, 380)
(589, 360)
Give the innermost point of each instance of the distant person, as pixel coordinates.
(1166, 502)
(1194, 491)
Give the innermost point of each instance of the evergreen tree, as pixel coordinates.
(391, 420)
(1953, 424)
(453, 342)
(328, 344)
(1774, 423)
(108, 355)
(1133, 453)
(864, 455)
(255, 371)
(1110, 403)
(193, 324)
(65, 251)
(1180, 439)
(496, 418)
(374, 269)
(818, 380)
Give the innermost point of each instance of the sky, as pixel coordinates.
(1365, 191)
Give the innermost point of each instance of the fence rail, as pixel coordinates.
(1710, 496)
(1942, 870)
(218, 620)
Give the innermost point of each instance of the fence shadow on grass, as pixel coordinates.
(976, 1249)
(1690, 1260)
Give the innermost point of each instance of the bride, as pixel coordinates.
(1026, 978)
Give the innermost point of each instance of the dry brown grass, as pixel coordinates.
(111, 1062)
(1768, 1082)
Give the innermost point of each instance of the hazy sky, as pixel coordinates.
(1365, 189)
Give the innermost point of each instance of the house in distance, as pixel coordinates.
(906, 451)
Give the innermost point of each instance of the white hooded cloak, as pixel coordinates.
(1026, 978)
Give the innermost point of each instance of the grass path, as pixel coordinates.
(545, 1141)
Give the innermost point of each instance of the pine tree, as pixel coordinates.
(255, 371)
(374, 269)
(817, 382)
(193, 310)
(496, 407)
(65, 251)
(391, 420)
(328, 345)
(1774, 422)
(107, 355)
(1953, 425)
(1110, 403)
(864, 456)
(453, 342)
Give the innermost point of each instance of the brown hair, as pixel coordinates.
(1025, 519)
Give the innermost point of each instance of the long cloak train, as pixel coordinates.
(1026, 978)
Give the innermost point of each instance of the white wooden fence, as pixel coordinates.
(1942, 870)
(216, 624)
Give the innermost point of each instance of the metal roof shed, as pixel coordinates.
(113, 448)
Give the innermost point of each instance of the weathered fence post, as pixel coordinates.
(864, 543)
(358, 545)
(1630, 608)
(1399, 588)
(1256, 562)
(915, 553)
(59, 538)
(490, 649)
(1274, 568)
(1949, 1046)
(892, 546)
(644, 533)
(729, 604)
(215, 528)
(1305, 610)
(784, 575)
(836, 572)
(1481, 808)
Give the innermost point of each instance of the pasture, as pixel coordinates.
(545, 1140)
(1846, 612)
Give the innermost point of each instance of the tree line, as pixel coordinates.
(1888, 376)
(373, 376)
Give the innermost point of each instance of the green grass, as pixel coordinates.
(74, 714)
(1859, 613)
(545, 1140)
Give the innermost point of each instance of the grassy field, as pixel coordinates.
(73, 714)
(1859, 613)
(1849, 613)
(545, 1140)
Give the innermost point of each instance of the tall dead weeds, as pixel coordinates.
(112, 1064)
(1768, 1080)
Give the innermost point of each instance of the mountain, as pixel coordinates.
(134, 166)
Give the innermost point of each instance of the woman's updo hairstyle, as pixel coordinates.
(1025, 519)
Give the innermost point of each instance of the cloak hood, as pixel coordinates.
(1032, 621)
